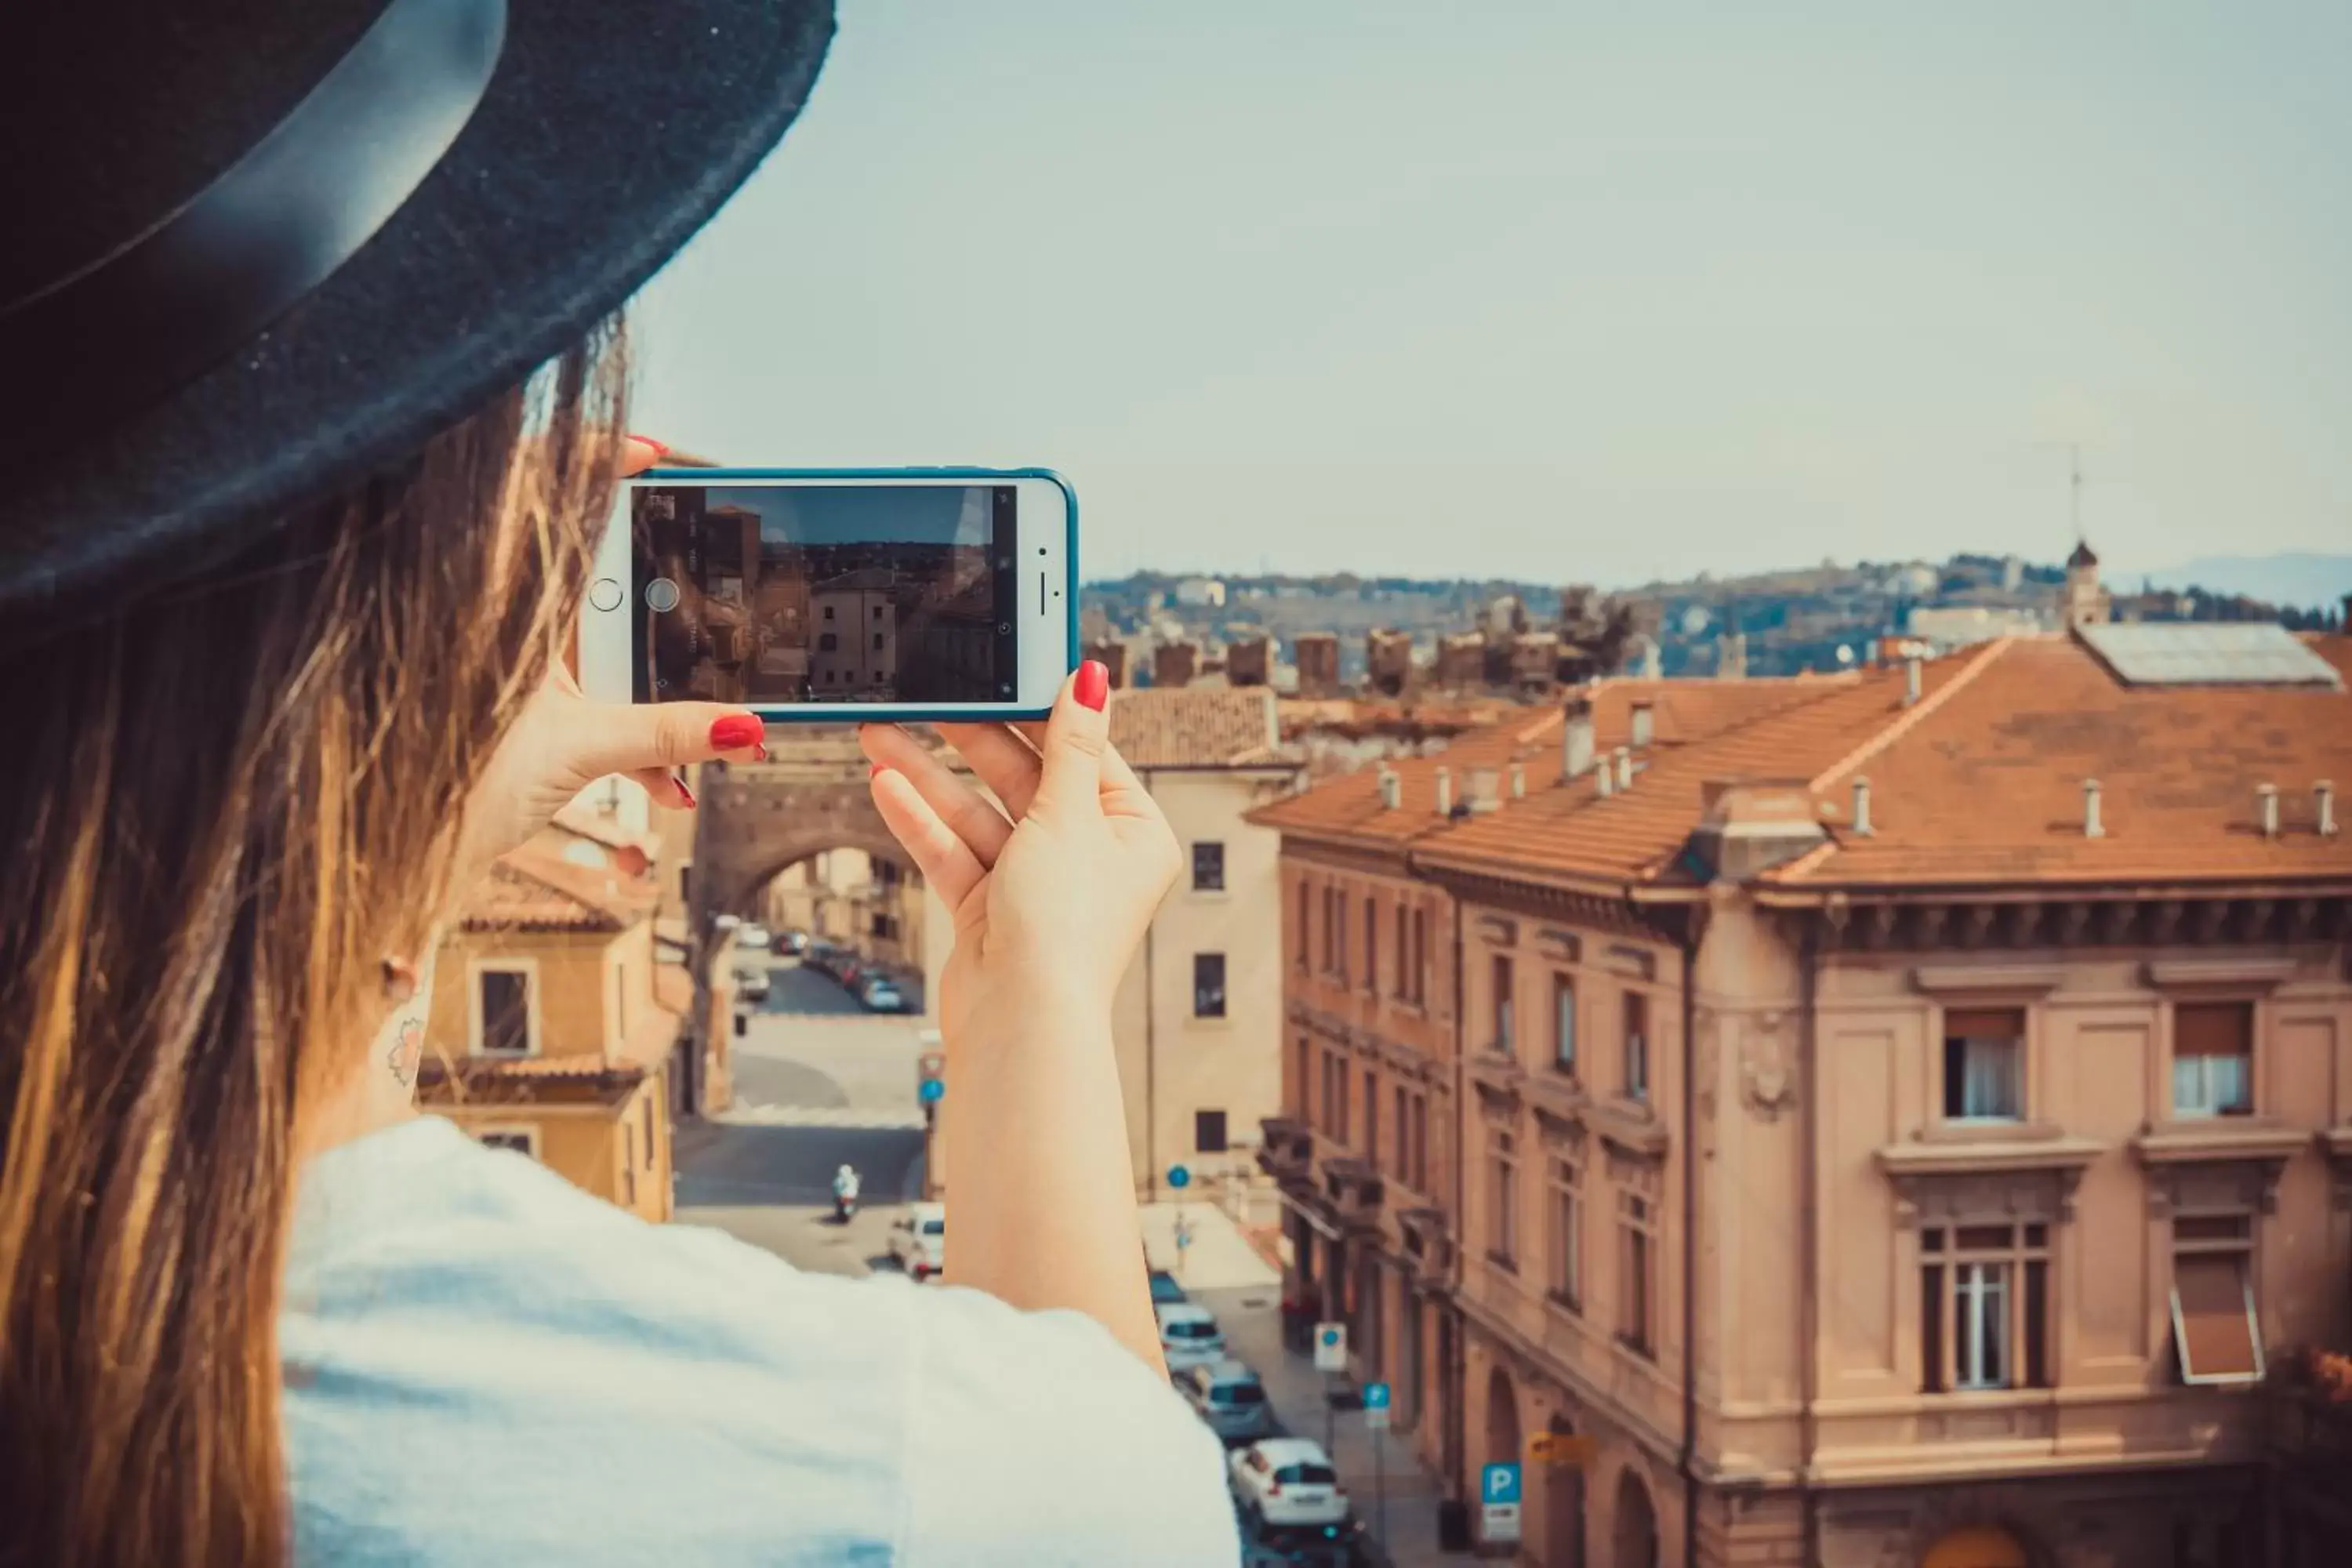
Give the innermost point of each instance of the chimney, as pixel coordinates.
(1640, 724)
(1862, 827)
(2092, 827)
(1391, 788)
(1604, 780)
(1482, 790)
(1518, 781)
(2323, 799)
(1444, 792)
(1625, 767)
(1910, 680)
(1576, 742)
(2266, 809)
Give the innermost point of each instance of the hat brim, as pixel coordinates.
(610, 133)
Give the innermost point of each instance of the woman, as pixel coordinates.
(290, 546)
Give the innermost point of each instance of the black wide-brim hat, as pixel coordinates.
(254, 250)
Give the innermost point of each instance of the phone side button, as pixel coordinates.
(604, 594)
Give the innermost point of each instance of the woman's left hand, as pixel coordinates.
(562, 742)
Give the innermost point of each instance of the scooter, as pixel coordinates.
(844, 1208)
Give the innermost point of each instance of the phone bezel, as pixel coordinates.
(607, 637)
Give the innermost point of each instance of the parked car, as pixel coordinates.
(753, 937)
(918, 1240)
(1228, 1396)
(1189, 1336)
(880, 993)
(752, 984)
(852, 970)
(1165, 1291)
(822, 956)
(792, 943)
(1287, 1483)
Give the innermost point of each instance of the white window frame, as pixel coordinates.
(2015, 1047)
(2206, 1103)
(525, 1130)
(1975, 1284)
(527, 967)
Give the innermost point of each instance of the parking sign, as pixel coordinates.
(1376, 1406)
(1331, 1347)
(1498, 1496)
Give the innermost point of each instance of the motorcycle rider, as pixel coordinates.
(844, 1193)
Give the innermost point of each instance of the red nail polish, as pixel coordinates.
(686, 792)
(760, 752)
(1093, 686)
(875, 772)
(737, 732)
(661, 448)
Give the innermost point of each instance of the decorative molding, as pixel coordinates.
(1560, 946)
(2242, 973)
(1495, 928)
(2020, 980)
(1630, 1131)
(1638, 962)
(1768, 1068)
(2223, 1162)
(1995, 1178)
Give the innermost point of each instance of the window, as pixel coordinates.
(1209, 1131)
(521, 1140)
(1306, 1051)
(650, 1126)
(1372, 948)
(629, 1164)
(1567, 1282)
(1637, 1046)
(1984, 1061)
(828, 642)
(2214, 1328)
(1503, 1173)
(1208, 868)
(1208, 985)
(1563, 1024)
(1421, 957)
(1984, 1306)
(1637, 1290)
(1400, 982)
(1420, 1176)
(1400, 1157)
(1502, 983)
(877, 638)
(1339, 935)
(1305, 916)
(2213, 1058)
(1371, 1115)
(1330, 930)
(503, 1025)
(877, 616)
(1335, 1097)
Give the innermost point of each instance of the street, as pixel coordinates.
(819, 1082)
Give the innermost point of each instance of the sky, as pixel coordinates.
(1556, 290)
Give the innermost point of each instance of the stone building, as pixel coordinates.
(1174, 664)
(1317, 655)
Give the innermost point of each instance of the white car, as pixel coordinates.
(1288, 1482)
(750, 938)
(752, 985)
(919, 1241)
(1189, 1336)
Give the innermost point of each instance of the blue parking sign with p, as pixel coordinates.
(1499, 1483)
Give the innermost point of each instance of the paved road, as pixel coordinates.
(819, 1081)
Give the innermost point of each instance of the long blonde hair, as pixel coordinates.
(224, 805)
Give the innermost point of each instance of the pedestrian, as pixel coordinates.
(1183, 1239)
(313, 387)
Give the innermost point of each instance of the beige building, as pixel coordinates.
(1902, 1126)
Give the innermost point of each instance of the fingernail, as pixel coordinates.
(1093, 686)
(736, 732)
(875, 772)
(661, 448)
(689, 794)
(761, 752)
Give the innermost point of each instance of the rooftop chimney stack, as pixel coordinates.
(1518, 781)
(1641, 726)
(2323, 799)
(1576, 744)
(1604, 780)
(1862, 827)
(1444, 792)
(1391, 789)
(2266, 809)
(2092, 827)
(1482, 789)
(1625, 767)
(1910, 680)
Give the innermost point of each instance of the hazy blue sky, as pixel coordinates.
(1557, 290)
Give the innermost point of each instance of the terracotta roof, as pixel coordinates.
(579, 1079)
(1186, 728)
(1348, 809)
(530, 890)
(1685, 711)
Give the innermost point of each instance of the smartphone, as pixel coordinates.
(832, 596)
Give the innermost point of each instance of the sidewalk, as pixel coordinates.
(1253, 1323)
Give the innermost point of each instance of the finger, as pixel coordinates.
(938, 852)
(620, 738)
(1123, 793)
(640, 453)
(1071, 779)
(664, 787)
(1005, 762)
(980, 826)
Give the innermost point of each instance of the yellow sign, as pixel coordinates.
(1561, 1448)
(1981, 1546)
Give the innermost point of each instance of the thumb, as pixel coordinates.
(620, 738)
(1070, 776)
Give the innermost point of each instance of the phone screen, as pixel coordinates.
(770, 595)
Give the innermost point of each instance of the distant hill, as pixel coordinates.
(2305, 581)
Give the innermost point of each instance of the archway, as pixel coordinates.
(1563, 1486)
(1978, 1546)
(1636, 1532)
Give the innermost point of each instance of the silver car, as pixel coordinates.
(1229, 1398)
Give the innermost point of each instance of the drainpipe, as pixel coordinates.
(1459, 1373)
(1690, 1246)
(1151, 1055)
(1809, 1230)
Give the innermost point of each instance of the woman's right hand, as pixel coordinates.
(1050, 894)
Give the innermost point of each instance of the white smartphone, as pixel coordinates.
(826, 596)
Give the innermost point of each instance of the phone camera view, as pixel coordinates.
(769, 594)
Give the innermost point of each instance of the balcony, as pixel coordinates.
(1357, 1192)
(1288, 1150)
(1428, 1245)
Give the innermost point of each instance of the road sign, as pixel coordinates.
(1376, 1406)
(1178, 1177)
(1498, 1496)
(931, 1089)
(1331, 1347)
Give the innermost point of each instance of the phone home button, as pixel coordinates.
(604, 594)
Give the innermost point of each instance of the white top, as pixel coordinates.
(485, 1365)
